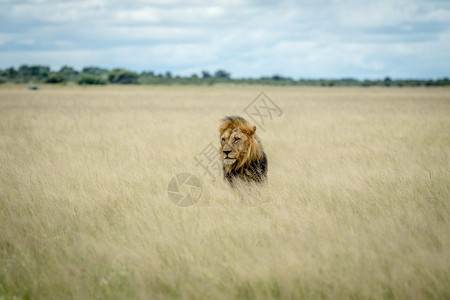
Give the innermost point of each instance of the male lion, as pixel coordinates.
(242, 152)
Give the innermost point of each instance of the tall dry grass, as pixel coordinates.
(357, 204)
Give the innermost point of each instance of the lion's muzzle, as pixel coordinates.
(229, 161)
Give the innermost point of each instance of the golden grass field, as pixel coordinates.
(357, 205)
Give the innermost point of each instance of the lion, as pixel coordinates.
(241, 150)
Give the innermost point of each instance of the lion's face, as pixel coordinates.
(234, 143)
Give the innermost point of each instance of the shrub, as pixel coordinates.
(91, 80)
(222, 74)
(122, 76)
(55, 78)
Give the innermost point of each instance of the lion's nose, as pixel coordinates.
(226, 152)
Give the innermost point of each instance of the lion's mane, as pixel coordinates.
(251, 165)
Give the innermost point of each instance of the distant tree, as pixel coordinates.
(205, 74)
(148, 74)
(442, 81)
(122, 76)
(10, 73)
(7, 75)
(276, 77)
(91, 80)
(96, 75)
(32, 73)
(148, 77)
(37, 71)
(387, 81)
(221, 74)
(96, 71)
(69, 73)
(366, 83)
(55, 78)
(348, 82)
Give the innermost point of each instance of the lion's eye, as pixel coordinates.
(223, 139)
(236, 140)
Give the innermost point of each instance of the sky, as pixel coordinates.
(300, 39)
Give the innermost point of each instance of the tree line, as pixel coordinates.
(101, 76)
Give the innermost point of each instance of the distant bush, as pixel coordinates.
(95, 71)
(91, 80)
(122, 77)
(205, 74)
(55, 78)
(69, 73)
(222, 74)
(34, 74)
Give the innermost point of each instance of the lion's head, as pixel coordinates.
(238, 143)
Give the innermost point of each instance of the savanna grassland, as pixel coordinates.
(357, 204)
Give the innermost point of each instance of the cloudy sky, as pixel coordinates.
(306, 38)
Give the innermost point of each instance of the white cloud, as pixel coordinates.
(147, 14)
(369, 14)
(295, 38)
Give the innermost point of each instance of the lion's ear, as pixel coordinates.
(252, 131)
